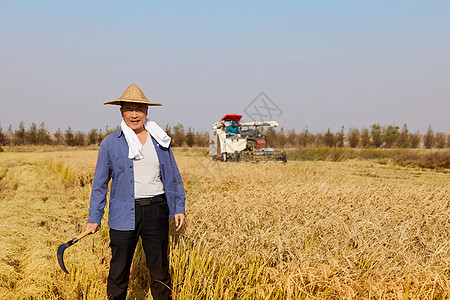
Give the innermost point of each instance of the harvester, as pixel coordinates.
(247, 145)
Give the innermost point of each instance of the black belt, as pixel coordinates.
(150, 200)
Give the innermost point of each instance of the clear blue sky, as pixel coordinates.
(322, 63)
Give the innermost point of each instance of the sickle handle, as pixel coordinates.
(85, 233)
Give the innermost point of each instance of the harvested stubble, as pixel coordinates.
(353, 229)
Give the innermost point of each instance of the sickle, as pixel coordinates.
(62, 247)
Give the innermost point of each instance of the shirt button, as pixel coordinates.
(131, 167)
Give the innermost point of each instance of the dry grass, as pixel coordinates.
(38, 213)
(348, 230)
(438, 159)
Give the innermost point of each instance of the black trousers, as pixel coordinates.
(152, 225)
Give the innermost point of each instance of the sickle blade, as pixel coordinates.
(60, 255)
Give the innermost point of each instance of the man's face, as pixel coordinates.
(134, 115)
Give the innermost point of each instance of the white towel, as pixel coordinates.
(135, 149)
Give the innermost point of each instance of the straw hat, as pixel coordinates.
(133, 94)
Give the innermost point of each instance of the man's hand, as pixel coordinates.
(180, 219)
(93, 226)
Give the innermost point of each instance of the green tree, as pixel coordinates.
(93, 137)
(178, 136)
(304, 138)
(441, 140)
(79, 139)
(340, 138)
(31, 134)
(43, 137)
(281, 138)
(202, 139)
(19, 134)
(292, 138)
(404, 140)
(190, 138)
(353, 137)
(69, 137)
(415, 139)
(58, 137)
(365, 138)
(329, 139)
(429, 138)
(390, 134)
(377, 137)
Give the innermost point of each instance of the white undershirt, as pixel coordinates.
(147, 175)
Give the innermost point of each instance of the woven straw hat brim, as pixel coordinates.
(133, 94)
(117, 102)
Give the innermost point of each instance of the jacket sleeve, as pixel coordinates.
(100, 186)
(180, 195)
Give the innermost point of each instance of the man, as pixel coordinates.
(146, 190)
(232, 129)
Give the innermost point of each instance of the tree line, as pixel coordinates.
(375, 136)
(39, 135)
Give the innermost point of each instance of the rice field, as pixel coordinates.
(355, 229)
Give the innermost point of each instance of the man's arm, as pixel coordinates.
(180, 195)
(99, 189)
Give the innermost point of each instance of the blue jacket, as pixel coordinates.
(113, 163)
